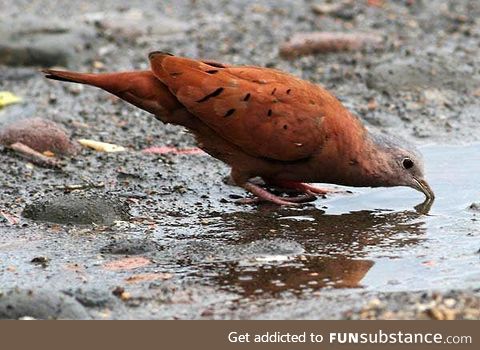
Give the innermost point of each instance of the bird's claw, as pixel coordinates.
(263, 195)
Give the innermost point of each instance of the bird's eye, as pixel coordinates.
(407, 163)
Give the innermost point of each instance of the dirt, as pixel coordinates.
(198, 254)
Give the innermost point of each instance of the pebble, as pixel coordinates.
(76, 209)
(36, 41)
(134, 24)
(475, 206)
(418, 73)
(40, 304)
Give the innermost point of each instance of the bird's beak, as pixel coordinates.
(422, 186)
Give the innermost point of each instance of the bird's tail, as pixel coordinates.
(72, 77)
(140, 88)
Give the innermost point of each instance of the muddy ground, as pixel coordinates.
(169, 241)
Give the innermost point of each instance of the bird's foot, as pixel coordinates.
(263, 195)
(302, 187)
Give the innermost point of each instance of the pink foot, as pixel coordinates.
(302, 187)
(264, 195)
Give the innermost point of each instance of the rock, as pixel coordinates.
(415, 73)
(42, 261)
(40, 304)
(33, 41)
(75, 209)
(134, 23)
(449, 305)
(326, 42)
(475, 206)
(93, 298)
(39, 134)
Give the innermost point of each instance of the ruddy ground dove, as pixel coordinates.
(264, 123)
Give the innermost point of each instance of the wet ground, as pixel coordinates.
(186, 249)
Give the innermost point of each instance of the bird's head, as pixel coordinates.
(402, 164)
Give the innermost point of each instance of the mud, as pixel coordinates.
(186, 249)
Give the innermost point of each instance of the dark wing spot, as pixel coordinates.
(213, 94)
(285, 127)
(214, 64)
(273, 91)
(247, 97)
(212, 71)
(289, 91)
(269, 113)
(229, 112)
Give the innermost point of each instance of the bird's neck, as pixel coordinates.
(374, 165)
(364, 163)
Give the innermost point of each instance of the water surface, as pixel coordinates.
(372, 239)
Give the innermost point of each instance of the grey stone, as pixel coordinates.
(134, 23)
(40, 304)
(475, 206)
(32, 41)
(75, 209)
(403, 74)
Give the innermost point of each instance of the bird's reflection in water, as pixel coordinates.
(308, 273)
(337, 248)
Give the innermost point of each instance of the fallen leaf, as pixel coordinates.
(165, 149)
(101, 146)
(7, 98)
(126, 264)
(148, 277)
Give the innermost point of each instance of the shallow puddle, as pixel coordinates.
(372, 239)
(233, 256)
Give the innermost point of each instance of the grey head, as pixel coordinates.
(402, 163)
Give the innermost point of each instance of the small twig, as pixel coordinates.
(34, 156)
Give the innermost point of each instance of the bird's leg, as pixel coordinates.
(263, 194)
(244, 180)
(301, 187)
(267, 196)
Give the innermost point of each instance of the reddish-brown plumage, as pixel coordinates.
(262, 122)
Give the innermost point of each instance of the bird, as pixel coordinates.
(265, 124)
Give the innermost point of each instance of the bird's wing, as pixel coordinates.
(263, 111)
